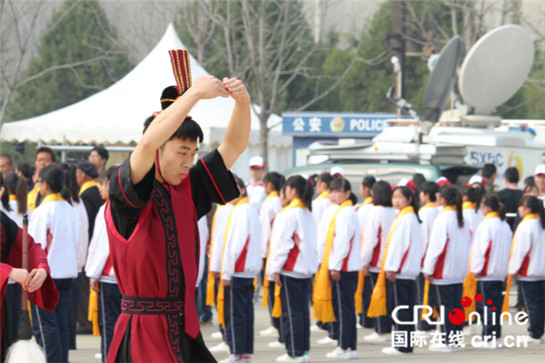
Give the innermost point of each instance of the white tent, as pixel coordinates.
(115, 115)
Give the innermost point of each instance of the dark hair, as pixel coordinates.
(453, 197)
(25, 169)
(408, 194)
(18, 187)
(430, 189)
(474, 195)
(492, 201)
(488, 170)
(512, 175)
(325, 178)
(382, 194)
(241, 185)
(5, 195)
(108, 174)
(341, 184)
(303, 187)
(45, 149)
(8, 156)
(189, 129)
(535, 205)
(276, 179)
(70, 182)
(418, 179)
(102, 151)
(53, 176)
(368, 181)
(529, 181)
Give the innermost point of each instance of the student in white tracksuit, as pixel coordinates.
(269, 209)
(403, 261)
(344, 265)
(240, 265)
(379, 221)
(55, 225)
(293, 262)
(471, 207)
(526, 263)
(489, 262)
(366, 188)
(427, 214)
(100, 271)
(320, 204)
(447, 259)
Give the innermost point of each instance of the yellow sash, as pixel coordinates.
(221, 288)
(87, 185)
(323, 195)
(429, 205)
(277, 307)
(53, 197)
(425, 298)
(377, 306)
(211, 282)
(93, 311)
(321, 297)
(358, 296)
(505, 306)
(12, 197)
(272, 195)
(468, 205)
(470, 282)
(32, 195)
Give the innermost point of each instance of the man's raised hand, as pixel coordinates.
(236, 89)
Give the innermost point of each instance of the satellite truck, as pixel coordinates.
(454, 143)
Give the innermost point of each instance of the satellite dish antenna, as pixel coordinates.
(495, 68)
(440, 83)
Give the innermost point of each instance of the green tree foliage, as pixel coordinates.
(78, 55)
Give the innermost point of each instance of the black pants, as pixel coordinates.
(367, 292)
(534, 303)
(51, 328)
(342, 297)
(490, 290)
(74, 308)
(274, 321)
(203, 311)
(84, 325)
(402, 292)
(296, 314)
(449, 296)
(382, 324)
(109, 308)
(422, 324)
(239, 315)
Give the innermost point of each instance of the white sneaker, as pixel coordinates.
(270, 331)
(236, 359)
(442, 348)
(221, 347)
(327, 340)
(472, 329)
(315, 327)
(391, 351)
(377, 338)
(276, 344)
(288, 358)
(531, 340)
(306, 357)
(98, 356)
(216, 335)
(343, 354)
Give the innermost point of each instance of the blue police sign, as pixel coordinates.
(328, 124)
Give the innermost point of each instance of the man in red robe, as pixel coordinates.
(156, 199)
(37, 282)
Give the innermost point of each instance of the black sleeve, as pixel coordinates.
(92, 201)
(211, 183)
(127, 200)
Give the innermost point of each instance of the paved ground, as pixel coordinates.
(89, 345)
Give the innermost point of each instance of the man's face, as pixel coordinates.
(96, 159)
(540, 183)
(257, 173)
(5, 166)
(176, 157)
(43, 159)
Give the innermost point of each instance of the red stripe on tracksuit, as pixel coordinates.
(376, 250)
(292, 256)
(438, 270)
(241, 260)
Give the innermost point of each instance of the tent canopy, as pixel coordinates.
(116, 114)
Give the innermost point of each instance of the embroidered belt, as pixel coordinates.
(151, 305)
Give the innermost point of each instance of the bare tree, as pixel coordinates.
(268, 44)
